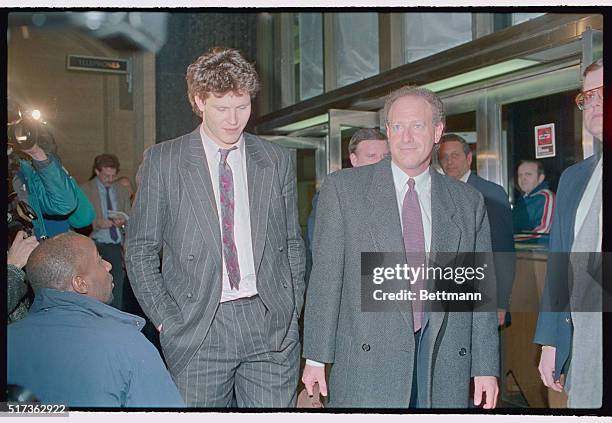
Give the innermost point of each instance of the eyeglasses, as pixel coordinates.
(585, 99)
(400, 128)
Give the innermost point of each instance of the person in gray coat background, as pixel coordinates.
(397, 359)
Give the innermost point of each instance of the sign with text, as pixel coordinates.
(96, 64)
(545, 141)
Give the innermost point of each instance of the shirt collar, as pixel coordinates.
(542, 185)
(466, 176)
(101, 186)
(422, 182)
(211, 148)
(47, 298)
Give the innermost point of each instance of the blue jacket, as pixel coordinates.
(49, 192)
(534, 212)
(74, 350)
(554, 326)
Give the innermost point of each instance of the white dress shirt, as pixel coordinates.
(587, 199)
(236, 160)
(466, 176)
(422, 185)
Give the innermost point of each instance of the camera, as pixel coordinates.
(19, 217)
(26, 128)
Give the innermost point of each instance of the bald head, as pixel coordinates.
(70, 262)
(56, 261)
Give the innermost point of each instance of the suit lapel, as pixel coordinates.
(385, 225)
(445, 236)
(196, 175)
(580, 184)
(94, 196)
(445, 233)
(260, 173)
(384, 220)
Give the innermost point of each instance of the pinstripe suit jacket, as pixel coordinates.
(373, 353)
(175, 209)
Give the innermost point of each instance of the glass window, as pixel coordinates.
(309, 60)
(506, 20)
(517, 18)
(356, 46)
(431, 33)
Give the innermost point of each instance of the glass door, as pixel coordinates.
(309, 157)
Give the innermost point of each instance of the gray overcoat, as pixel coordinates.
(373, 353)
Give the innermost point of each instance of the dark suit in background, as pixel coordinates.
(502, 241)
(569, 330)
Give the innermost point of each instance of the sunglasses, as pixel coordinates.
(585, 99)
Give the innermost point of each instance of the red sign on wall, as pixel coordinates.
(545, 141)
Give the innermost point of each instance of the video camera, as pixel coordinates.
(19, 217)
(26, 128)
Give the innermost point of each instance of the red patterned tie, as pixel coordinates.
(226, 197)
(414, 244)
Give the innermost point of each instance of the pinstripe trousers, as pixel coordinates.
(234, 364)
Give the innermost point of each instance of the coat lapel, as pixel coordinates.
(445, 233)
(260, 173)
(93, 194)
(384, 219)
(196, 175)
(385, 226)
(580, 183)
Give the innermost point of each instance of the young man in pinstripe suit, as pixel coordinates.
(222, 203)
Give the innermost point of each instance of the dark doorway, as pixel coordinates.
(520, 119)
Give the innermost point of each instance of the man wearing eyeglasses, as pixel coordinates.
(570, 329)
(416, 358)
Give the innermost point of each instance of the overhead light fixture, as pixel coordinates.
(437, 86)
(480, 74)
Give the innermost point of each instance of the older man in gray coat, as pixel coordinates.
(399, 204)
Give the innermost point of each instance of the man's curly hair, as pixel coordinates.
(219, 71)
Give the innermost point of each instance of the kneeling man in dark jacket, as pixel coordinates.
(73, 348)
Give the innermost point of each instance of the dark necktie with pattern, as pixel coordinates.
(226, 198)
(109, 206)
(414, 244)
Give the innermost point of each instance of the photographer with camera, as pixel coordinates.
(39, 179)
(17, 257)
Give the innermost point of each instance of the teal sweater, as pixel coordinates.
(47, 188)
